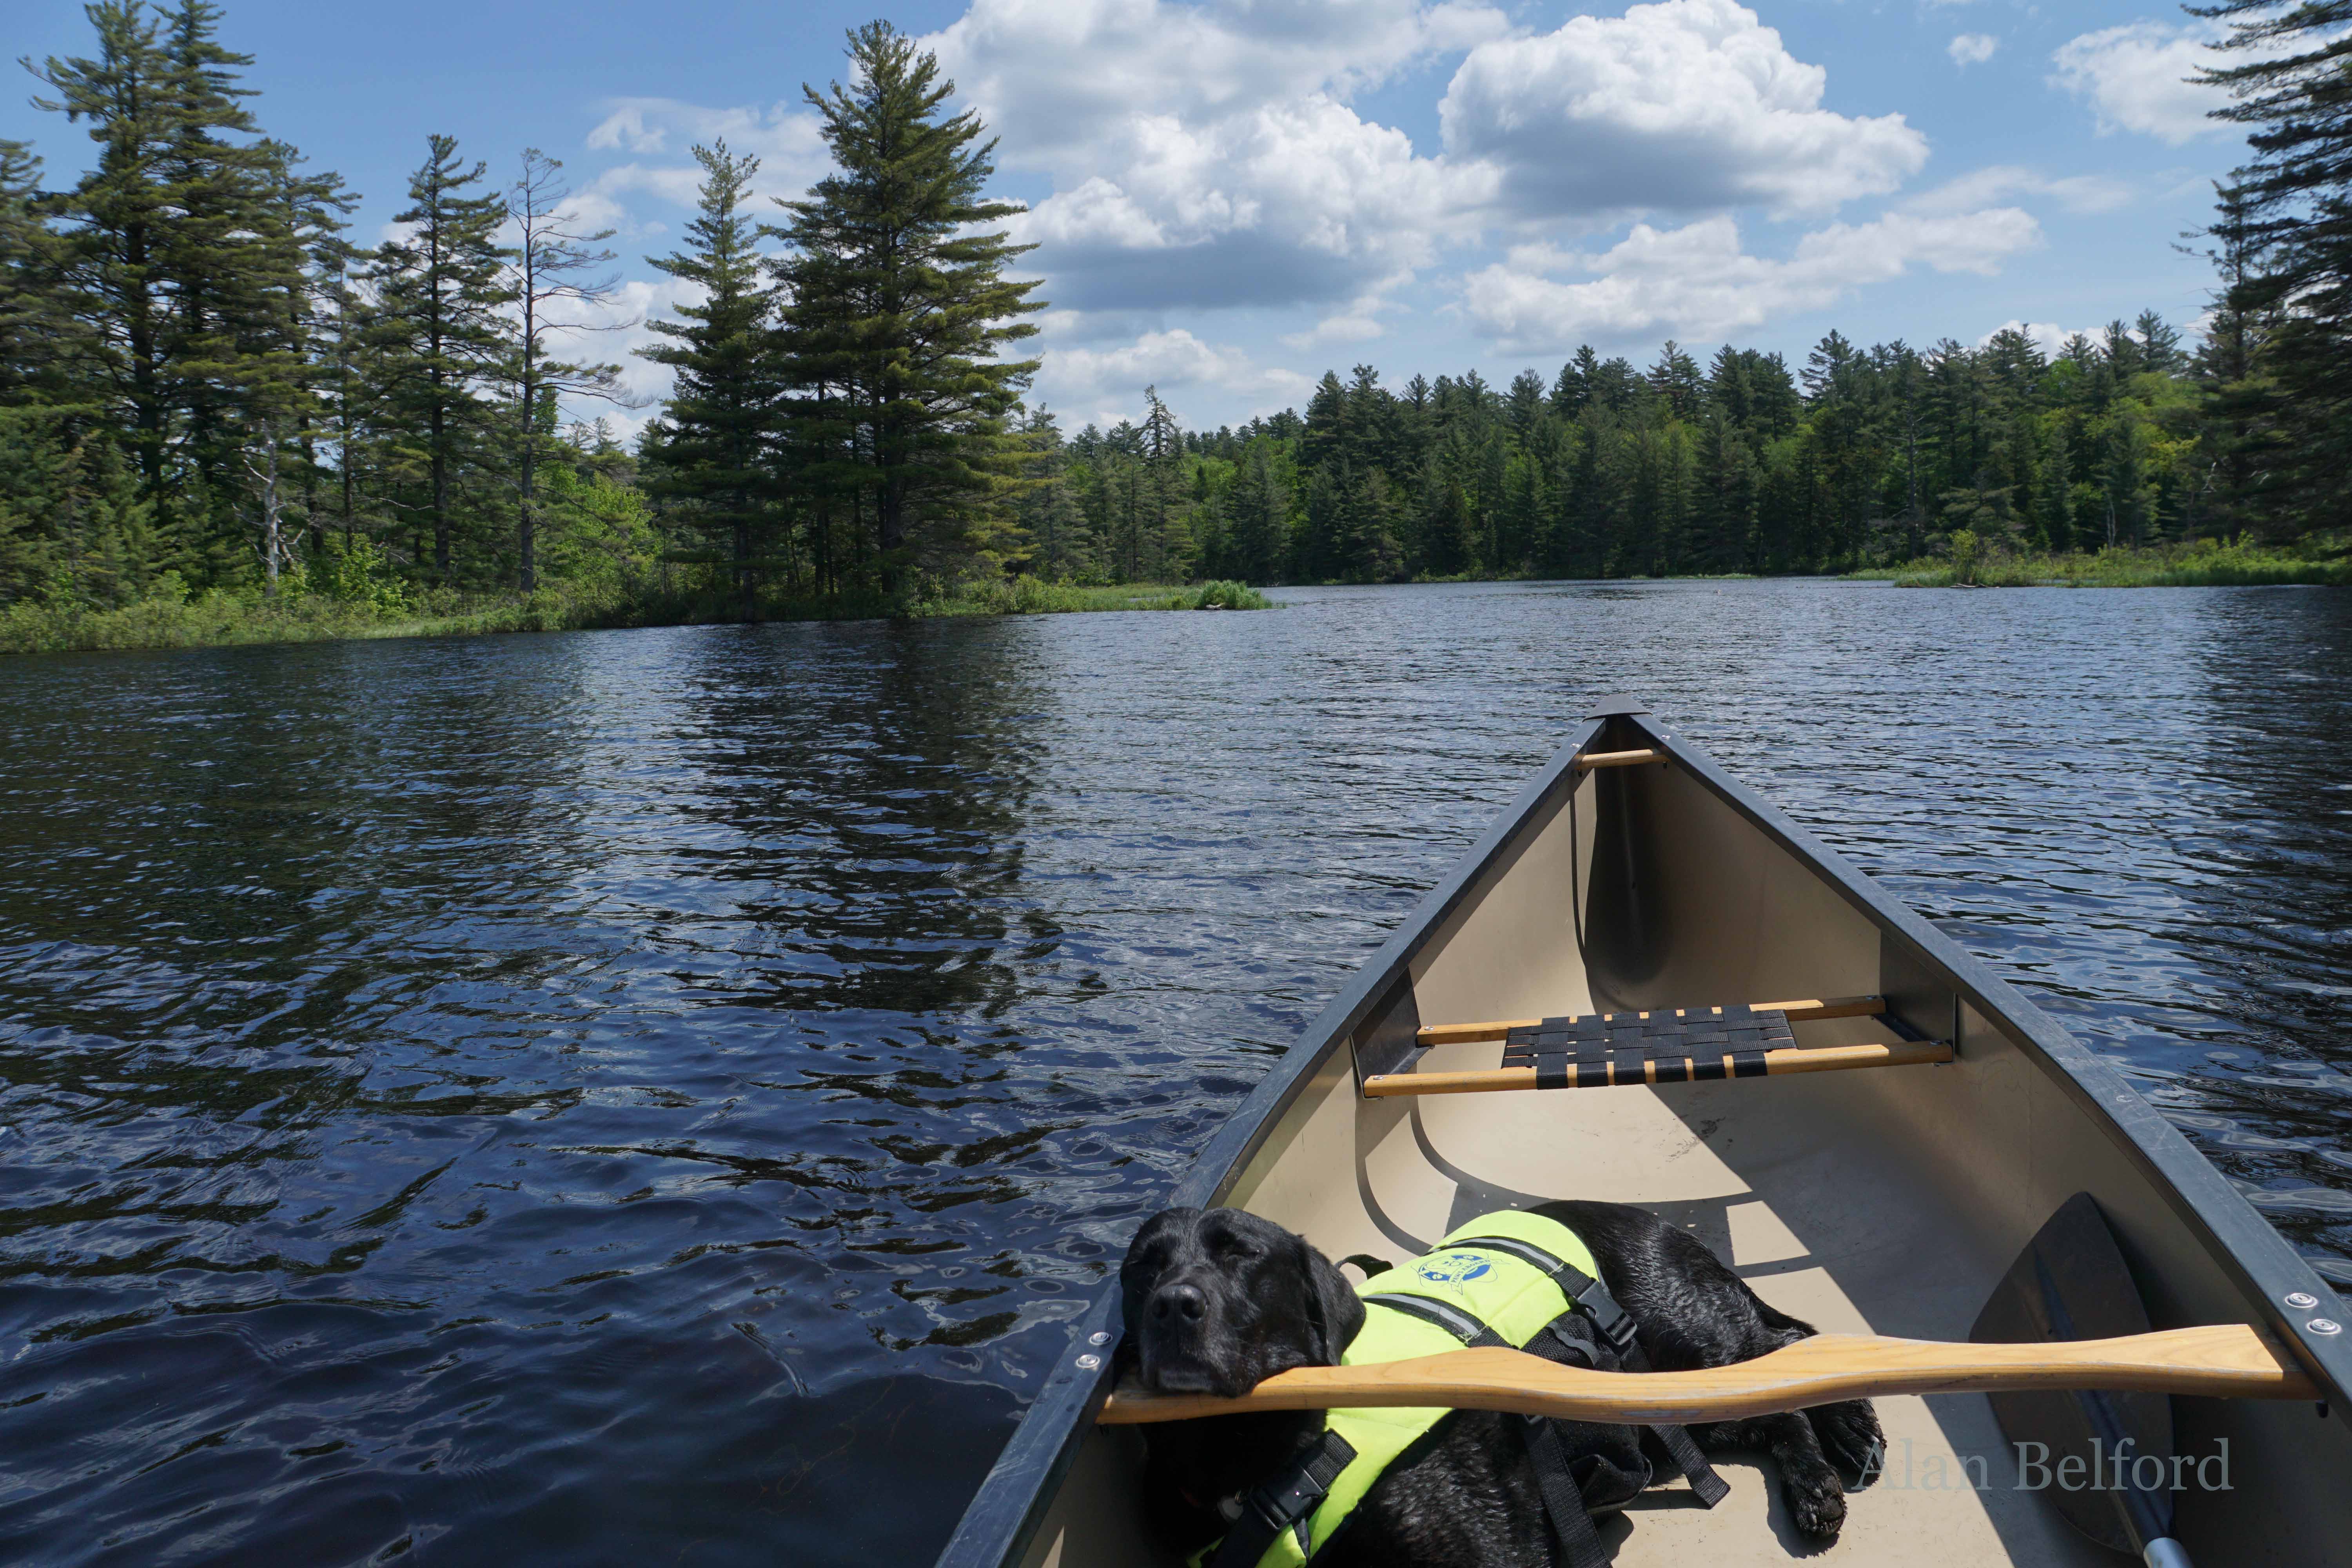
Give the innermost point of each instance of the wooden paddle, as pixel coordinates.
(2224, 1360)
(2071, 1283)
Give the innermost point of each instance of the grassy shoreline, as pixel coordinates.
(225, 620)
(2205, 563)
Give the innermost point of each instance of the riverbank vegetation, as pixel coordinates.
(170, 617)
(1967, 563)
(221, 419)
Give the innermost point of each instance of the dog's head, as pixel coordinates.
(1217, 1300)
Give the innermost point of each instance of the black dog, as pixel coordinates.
(1217, 1300)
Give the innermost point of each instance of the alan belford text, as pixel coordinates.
(2118, 1468)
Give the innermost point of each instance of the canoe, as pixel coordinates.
(1887, 1194)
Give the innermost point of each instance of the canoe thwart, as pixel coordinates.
(1690, 1042)
(1660, 1069)
(1591, 760)
(1800, 1011)
(2224, 1360)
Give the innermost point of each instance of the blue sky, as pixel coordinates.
(1232, 196)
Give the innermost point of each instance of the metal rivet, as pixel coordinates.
(1089, 1362)
(2325, 1326)
(2301, 1301)
(1102, 1336)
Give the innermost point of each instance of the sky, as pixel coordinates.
(1229, 197)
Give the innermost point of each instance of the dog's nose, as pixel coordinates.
(1173, 1303)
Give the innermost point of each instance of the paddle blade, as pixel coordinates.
(2071, 1283)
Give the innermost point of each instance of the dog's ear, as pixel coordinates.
(1333, 1307)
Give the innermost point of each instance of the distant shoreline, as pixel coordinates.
(2205, 563)
(227, 620)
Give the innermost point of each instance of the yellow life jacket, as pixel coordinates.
(1501, 1290)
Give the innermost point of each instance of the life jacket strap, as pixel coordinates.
(1591, 1297)
(1572, 1529)
(1704, 1484)
(1285, 1500)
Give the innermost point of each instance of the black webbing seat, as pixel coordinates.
(1691, 1044)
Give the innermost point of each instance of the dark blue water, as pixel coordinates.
(656, 1095)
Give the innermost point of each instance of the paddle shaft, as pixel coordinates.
(1828, 1058)
(1797, 1012)
(2223, 1360)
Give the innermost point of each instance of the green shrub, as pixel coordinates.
(2201, 564)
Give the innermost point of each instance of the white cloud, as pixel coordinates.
(1207, 155)
(791, 153)
(2138, 78)
(1697, 283)
(1972, 48)
(1289, 203)
(1054, 77)
(1105, 385)
(1987, 186)
(1681, 105)
(1356, 321)
(1210, 155)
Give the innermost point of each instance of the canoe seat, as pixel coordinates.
(1686, 1045)
(1680, 1045)
(1797, 1012)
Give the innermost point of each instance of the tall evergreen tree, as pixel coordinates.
(898, 295)
(712, 451)
(2293, 210)
(119, 215)
(442, 287)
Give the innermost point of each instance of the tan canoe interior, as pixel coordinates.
(1878, 1201)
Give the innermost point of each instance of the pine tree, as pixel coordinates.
(37, 335)
(1676, 381)
(1256, 515)
(898, 296)
(442, 286)
(1060, 546)
(2294, 202)
(716, 438)
(118, 216)
(232, 261)
(2249, 431)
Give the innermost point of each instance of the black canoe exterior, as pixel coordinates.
(1003, 1516)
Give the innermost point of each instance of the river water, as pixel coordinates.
(658, 1096)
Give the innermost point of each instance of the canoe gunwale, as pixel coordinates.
(2262, 1263)
(1004, 1515)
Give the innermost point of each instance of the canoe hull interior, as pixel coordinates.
(1884, 1201)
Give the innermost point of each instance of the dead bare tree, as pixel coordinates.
(555, 296)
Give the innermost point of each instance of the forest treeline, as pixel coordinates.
(1608, 469)
(208, 388)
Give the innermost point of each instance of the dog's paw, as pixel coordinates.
(1851, 1436)
(1816, 1506)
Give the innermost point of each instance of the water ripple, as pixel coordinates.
(642, 1095)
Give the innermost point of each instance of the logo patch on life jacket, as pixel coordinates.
(1451, 1268)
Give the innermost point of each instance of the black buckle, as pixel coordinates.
(1308, 1482)
(1615, 1324)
